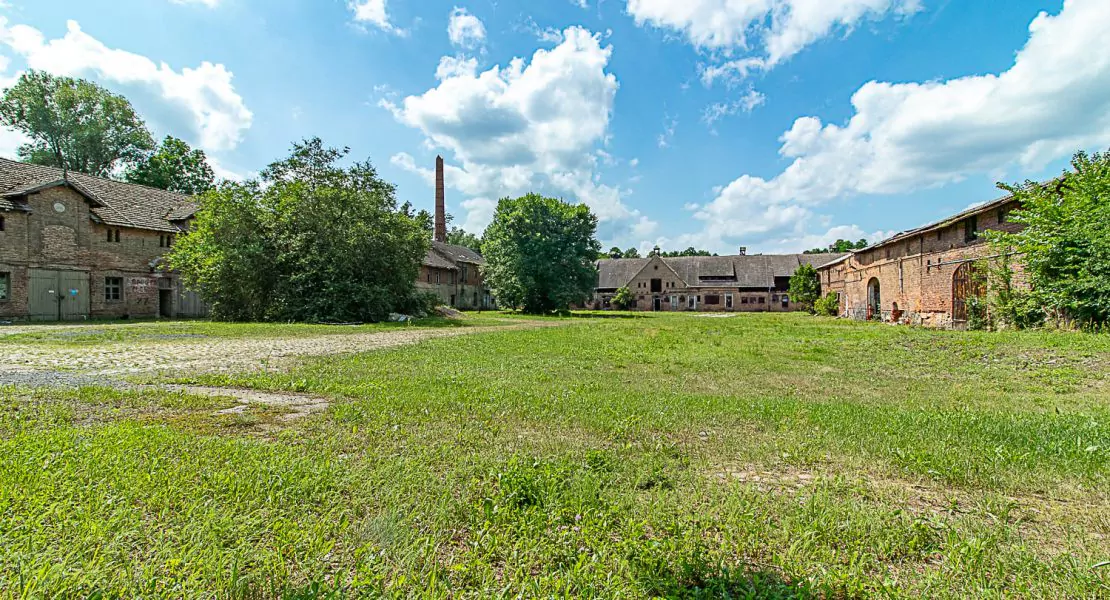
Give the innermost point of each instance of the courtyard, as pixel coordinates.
(616, 455)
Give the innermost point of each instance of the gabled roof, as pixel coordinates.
(741, 271)
(448, 256)
(112, 202)
(458, 253)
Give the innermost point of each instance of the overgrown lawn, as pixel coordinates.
(667, 456)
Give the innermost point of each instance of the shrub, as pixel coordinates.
(623, 298)
(828, 306)
(1065, 243)
(805, 286)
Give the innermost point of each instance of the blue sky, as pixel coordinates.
(778, 125)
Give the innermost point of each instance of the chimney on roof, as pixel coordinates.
(440, 234)
(743, 250)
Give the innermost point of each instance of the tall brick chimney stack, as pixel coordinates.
(441, 210)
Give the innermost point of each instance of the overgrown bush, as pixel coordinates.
(311, 241)
(1065, 244)
(828, 306)
(623, 298)
(805, 286)
(978, 317)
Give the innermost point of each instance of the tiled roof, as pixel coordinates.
(740, 271)
(448, 256)
(113, 202)
(974, 210)
(617, 272)
(458, 253)
(434, 260)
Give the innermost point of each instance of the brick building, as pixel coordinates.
(73, 246)
(452, 272)
(741, 283)
(923, 276)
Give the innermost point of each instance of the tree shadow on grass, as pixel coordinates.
(702, 581)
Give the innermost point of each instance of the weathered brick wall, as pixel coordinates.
(47, 238)
(15, 307)
(468, 294)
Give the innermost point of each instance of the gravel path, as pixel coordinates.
(27, 363)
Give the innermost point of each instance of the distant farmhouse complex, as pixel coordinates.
(924, 276)
(452, 272)
(743, 283)
(74, 246)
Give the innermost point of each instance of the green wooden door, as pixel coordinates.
(58, 295)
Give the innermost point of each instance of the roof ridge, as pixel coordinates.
(68, 173)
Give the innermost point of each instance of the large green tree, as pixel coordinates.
(1065, 242)
(805, 286)
(174, 166)
(73, 123)
(311, 241)
(539, 253)
(461, 237)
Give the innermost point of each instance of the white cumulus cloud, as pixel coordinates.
(528, 126)
(1053, 100)
(374, 12)
(465, 30)
(767, 32)
(201, 99)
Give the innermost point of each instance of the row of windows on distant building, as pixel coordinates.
(464, 276)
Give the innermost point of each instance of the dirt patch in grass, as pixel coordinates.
(298, 406)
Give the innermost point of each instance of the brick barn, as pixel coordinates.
(73, 246)
(450, 271)
(741, 283)
(923, 276)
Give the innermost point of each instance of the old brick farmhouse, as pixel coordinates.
(744, 283)
(73, 246)
(449, 271)
(923, 276)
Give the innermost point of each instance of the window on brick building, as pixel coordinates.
(5, 286)
(113, 289)
(762, 300)
(1, 223)
(712, 299)
(1003, 215)
(971, 228)
(164, 241)
(113, 235)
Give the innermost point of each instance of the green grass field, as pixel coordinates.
(758, 456)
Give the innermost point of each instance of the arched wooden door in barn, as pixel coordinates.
(966, 284)
(874, 300)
